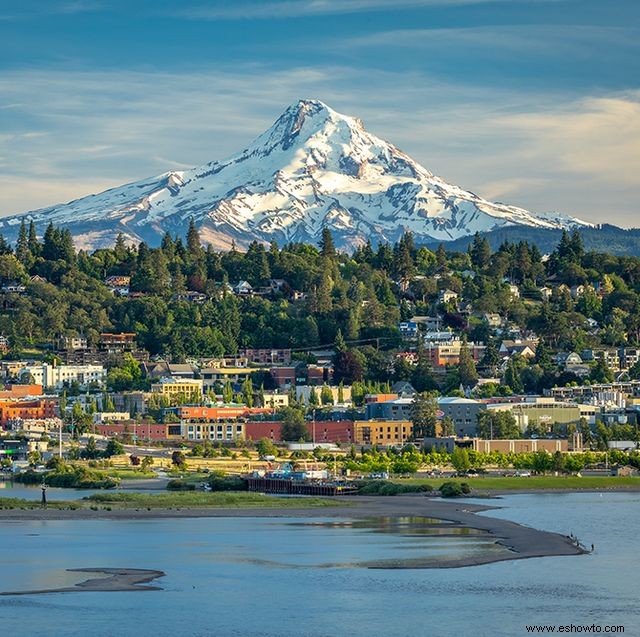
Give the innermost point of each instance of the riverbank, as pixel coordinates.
(521, 542)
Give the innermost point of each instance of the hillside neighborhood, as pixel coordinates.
(508, 352)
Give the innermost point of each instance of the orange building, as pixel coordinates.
(20, 391)
(38, 409)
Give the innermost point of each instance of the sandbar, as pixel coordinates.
(119, 579)
(522, 542)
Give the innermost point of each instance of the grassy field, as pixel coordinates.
(20, 503)
(535, 483)
(128, 474)
(202, 499)
(180, 500)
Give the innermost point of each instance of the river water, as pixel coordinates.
(284, 577)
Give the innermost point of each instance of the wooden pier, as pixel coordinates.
(297, 487)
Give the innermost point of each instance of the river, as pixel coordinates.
(281, 577)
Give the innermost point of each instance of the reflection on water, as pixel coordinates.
(234, 577)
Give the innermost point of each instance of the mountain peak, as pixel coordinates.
(313, 168)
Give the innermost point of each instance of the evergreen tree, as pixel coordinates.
(327, 247)
(326, 396)
(424, 415)
(193, 239)
(227, 393)
(120, 248)
(512, 378)
(467, 367)
(247, 392)
(34, 246)
(422, 377)
(441, 258)
(23, 254)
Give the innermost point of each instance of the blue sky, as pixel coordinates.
(531, 102)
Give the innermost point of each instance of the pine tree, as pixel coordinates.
(193, 239)
(339, 343)
(34, 246)
(327, 247)
(120, 248)
(441, 258)
(467, 367)
(23, 254)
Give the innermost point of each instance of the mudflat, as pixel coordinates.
(522, 542)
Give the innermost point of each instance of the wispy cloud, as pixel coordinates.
(578, 41)
(28, 10)
(302, 8)
(543, 151)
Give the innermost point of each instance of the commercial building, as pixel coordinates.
(26, 409)
(222, 371)
(225, 423)
(275, 401)
(543, 411)
(396, 409)
(464, 413)
(267, 356)
(283, 377)
(139, 431)
(57, 376)
(170, 387)
(110, 416)
(382, 432)
(13, 392)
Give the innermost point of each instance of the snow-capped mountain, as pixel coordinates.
(313, 168)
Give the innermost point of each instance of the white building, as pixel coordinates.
(57, 375)
(110, 416)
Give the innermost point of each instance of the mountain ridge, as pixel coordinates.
(313, 168)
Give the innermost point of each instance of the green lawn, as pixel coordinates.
(202, 499)
(536, 482)
(20, 503)
(128, 474)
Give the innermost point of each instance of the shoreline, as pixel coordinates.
(520, 541)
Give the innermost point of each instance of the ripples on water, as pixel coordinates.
(222, 577)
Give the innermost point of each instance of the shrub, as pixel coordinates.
(383, 487)
(454, 489)
(180, 485)
(227, 484)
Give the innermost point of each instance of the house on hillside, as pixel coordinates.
(242, 288)
(447, 296)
